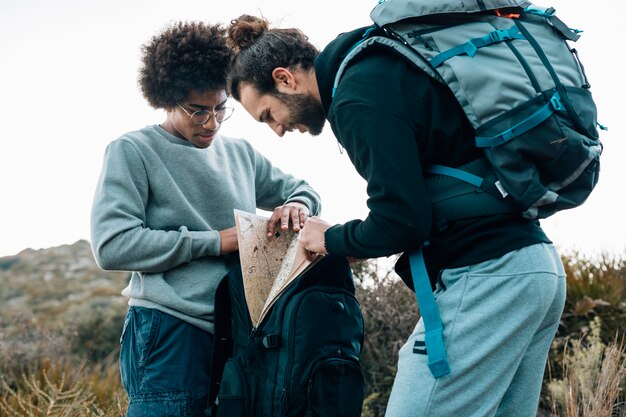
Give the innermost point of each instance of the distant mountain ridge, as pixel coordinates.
(57, 304)
(79, 249)
(53, 281)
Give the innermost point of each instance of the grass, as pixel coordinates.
(591, 386)
(64, 390)
(57, 363)
(593, 375)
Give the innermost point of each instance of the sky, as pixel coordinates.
(68, 72)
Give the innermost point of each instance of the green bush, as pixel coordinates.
(96, 330)
(390, 313)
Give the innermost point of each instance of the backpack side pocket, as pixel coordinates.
(336, 387)
(234, 393)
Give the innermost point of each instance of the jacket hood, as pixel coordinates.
(328, 61)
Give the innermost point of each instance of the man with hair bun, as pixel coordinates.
(499, 282)
(163, 209)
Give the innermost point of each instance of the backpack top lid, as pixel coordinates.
(391, 11)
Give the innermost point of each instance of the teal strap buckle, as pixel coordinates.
(437, 358)
(470, 48)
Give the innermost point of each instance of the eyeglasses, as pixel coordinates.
(202, 117)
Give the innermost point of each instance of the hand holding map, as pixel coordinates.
(268, 264)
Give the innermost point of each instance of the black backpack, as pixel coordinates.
(302, 359)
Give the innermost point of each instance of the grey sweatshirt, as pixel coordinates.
(158, 207)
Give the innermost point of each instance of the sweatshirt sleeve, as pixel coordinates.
(275, 188)
(119, 236)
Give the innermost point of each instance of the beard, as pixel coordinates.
(305, 110)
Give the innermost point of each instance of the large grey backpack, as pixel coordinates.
(522, 87)
(510, 66)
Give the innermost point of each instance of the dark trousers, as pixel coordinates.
(165, 365)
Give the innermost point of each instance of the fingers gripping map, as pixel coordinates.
(268, 264)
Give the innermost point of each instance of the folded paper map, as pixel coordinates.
(268, 264)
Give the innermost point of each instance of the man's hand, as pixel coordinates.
(293, 213)
(312, 237)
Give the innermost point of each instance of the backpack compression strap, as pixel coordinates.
(471, 190)
(435, 349)
(470, 178)
(534, 120)
(471, 47)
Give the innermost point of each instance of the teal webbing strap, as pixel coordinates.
(436, 351)
(471, 47)
(524, 126)
(475, 180)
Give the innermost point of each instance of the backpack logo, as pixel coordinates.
(419, 347)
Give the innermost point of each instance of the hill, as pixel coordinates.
(56, 302)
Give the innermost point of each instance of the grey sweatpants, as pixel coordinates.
(499, 319)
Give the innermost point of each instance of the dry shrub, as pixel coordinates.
(603, 277)
(593, 374)
(64, 390)
(390, 313)
(25, 345)
(595, 288)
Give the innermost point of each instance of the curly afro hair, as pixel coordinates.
(184, 57)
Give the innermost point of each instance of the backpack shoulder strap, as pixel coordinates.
(223, 336)
(390, 44)
(435, 348)
(548, 13)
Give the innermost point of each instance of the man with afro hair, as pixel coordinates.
(163, 209)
